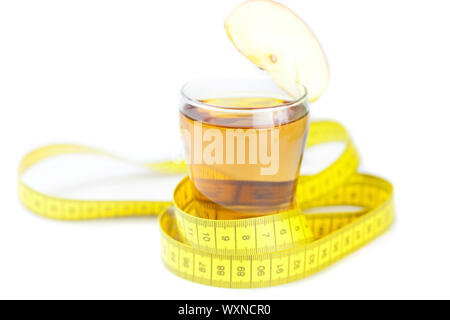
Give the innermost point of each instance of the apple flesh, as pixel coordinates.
(275, 39)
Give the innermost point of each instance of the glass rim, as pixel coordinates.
(199, 104)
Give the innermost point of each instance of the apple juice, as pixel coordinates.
(243, 154)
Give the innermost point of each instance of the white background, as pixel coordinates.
(108, 73)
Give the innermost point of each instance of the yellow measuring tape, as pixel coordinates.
(247, 253)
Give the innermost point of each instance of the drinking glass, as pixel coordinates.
(244, 140)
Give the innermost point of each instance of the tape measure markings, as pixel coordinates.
(247, 253)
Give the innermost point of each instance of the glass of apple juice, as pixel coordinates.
(244, 140)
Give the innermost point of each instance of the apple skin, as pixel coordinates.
(275, 39)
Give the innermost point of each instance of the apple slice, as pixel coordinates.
(276, 40)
